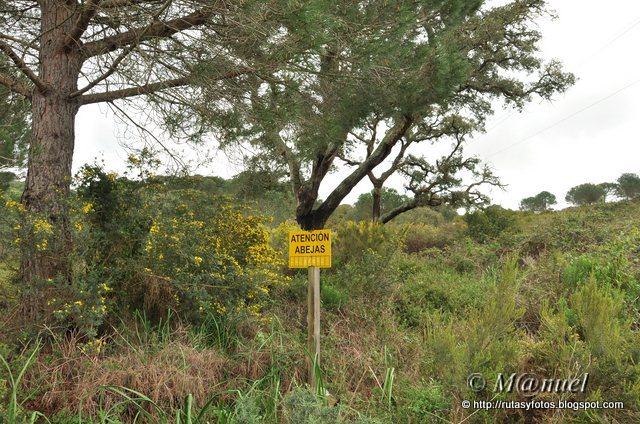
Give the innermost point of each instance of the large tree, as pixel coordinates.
(378, 78)
(62, 55)
(610, 189)
(539, 203)
(585, 194)
(629, 186)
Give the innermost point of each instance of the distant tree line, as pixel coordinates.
(627, 187)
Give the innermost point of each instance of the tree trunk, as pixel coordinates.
(51, 149)
(307, 195)
(312, 221)
(376, 196)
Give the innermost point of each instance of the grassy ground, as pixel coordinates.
(553, 295)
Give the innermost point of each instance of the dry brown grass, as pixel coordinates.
(354, 341)
(164, 372)
(353, 348)
(166, 375)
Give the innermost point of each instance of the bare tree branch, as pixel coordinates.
(292, 163)
(144, 130)
(17, 60)
(23, 43)
(14, 85)
(348, 161)
(155, 29)
(110, 96)
(114, 4)
(112, 68)
(399, 210)
(150, 88)
(84, 17)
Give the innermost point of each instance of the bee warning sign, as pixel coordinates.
(310, 248)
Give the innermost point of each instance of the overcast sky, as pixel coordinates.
(588, 134)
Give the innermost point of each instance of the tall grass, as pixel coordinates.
(13, 408)
(148, 411)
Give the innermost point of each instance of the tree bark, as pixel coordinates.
(376, 198)
(399, 210)
(51, 149)
(310, 218)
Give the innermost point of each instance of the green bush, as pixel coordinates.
(425, 402)
(484, 339)
(597, 310)
(209, 255)
(139, 245)
(580, 230)
(427, 216)
(355, 239)
(613, 264)
(487, 224)
(303, 406)
(434, 287)
(371, 277)
(331, 297)
(467, 256)
(420, 237)
(247, 411)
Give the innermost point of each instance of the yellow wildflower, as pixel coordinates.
(42, 226)
(15, 205)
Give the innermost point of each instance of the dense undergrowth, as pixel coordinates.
(181, 310)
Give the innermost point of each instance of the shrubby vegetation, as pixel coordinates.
(180, 305)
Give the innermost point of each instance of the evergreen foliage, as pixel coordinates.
(14, 133)
(538, 203)
(629, 186)
(585, 194)
(362, 79)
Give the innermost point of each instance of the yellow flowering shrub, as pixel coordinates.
(82, 305)
(79, 303)
(31, 230)
(143, 245)
(215, 256)
(9, 255)
(280, 238)
(353, 239)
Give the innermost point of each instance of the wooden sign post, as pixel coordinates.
(313, 323)
(312, 250)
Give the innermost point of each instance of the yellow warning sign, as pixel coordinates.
(310, 248)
